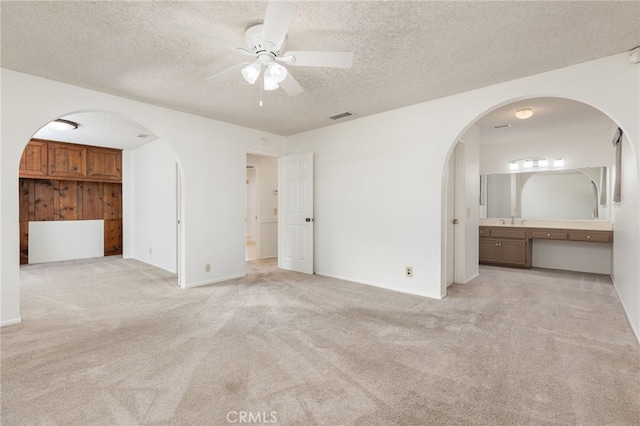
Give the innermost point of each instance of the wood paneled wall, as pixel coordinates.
(47, 199)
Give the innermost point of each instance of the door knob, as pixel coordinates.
(455, 221)
(308, 219)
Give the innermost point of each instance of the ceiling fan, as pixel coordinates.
(265, 42)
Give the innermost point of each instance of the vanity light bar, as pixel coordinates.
(528, 163)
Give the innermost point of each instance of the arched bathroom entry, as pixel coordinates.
(578, 134)
(143, 209)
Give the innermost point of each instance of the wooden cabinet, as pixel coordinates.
(104, 164)
(591, 236)
(512, 246)
(64, 181)
(507, 247)
(66, 161)
(34, 162)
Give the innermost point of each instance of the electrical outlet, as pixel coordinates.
(408, 271)
(207, 267)
(150, 250)
(275, 211)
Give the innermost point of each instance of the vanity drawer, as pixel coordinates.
(509, 233)
(548, 234)
(485, 232)
(594, 237)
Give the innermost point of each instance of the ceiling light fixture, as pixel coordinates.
(251, 72)
(534, 162)
(524, 113)
(62, 125)
(277, 71)
(270, 83)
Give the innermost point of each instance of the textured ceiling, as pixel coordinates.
(405, 52)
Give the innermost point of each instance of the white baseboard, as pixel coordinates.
(472, 278)
(396, 289)
(218, 280)
(11, 322)
(626, 312)
(153, 264)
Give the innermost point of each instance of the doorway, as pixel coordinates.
(261, 220)
(123, 178)
(455, 215)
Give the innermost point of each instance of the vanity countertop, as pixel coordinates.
(590, 225)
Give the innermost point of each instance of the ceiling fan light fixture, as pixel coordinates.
(269, 82)
(277, 72)
(62, 125)
(251, 72)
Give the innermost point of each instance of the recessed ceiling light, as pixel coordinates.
(62, 125)
(524, 113)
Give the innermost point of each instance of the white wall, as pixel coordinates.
(378, 179)
(153, 208)
(578, 149)
(626, 242)
(211, 156)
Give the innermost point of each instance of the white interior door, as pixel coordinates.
(295, 218)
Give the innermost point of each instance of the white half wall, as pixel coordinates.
(53, 241)
(154, 209)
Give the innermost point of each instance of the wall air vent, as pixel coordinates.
(343, 115)
(502, 126)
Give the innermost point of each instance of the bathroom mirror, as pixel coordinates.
(574, 194)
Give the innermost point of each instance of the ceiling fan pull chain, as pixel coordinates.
(261, 89)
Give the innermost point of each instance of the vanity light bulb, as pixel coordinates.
(558, 162)
(543, 162)
(527, 164)
(513, 165)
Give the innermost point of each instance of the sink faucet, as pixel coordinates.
(502, 221)
(513, 220)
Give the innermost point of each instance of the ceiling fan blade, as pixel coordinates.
(228, 73)
(277, 21)
(291, 86)
(209, 38)
(318, 59)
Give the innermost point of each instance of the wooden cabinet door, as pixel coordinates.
(489, 250)
(104, 164)
(67, 161)
(513, 252)
(34, 160)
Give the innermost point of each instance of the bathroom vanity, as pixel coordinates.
(512, 244)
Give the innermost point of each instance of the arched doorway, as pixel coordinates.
(137, 211)
(560, 128)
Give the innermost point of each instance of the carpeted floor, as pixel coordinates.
(113, 341)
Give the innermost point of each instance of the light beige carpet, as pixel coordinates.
(113, 341)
